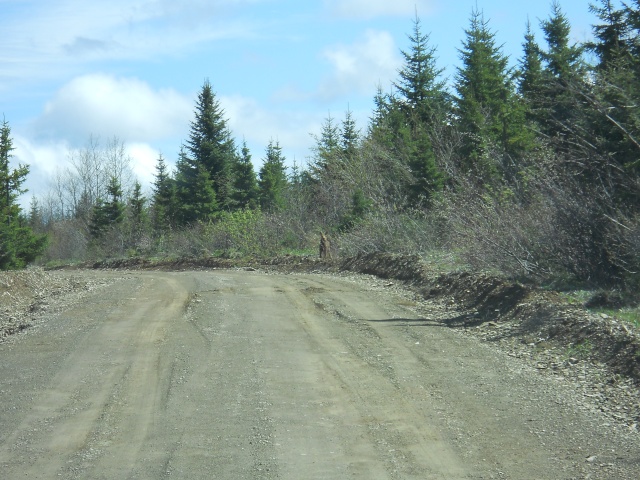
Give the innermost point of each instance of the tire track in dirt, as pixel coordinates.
(403, 437)
(106, 395)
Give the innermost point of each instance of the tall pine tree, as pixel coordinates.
(489, 115)
(563, 81)
(420, 86)
(530, 73)
(196, 199)
(273, 179)
(18, 244)
(210, 144)
(245, 191)
(110, 213)
(163, 201)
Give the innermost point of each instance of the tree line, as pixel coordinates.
(531, 169)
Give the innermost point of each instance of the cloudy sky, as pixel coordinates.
(132, 69)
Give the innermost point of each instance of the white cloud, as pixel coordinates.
(377, 8)
(48, 39)
(47, 160)
(107, 106)
(360, 67)
(259, 124)
(143, 162)
(43, 161)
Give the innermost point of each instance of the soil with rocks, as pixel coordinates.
(26, 295)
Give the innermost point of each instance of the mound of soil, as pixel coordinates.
(524, 313)
(26, 293)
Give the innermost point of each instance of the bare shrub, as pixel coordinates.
(67, 242)
(388, 229)
(561, 230)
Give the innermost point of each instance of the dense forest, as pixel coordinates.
(530, 170)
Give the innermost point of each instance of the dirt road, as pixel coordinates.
(246, 375)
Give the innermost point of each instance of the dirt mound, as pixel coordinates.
(25, 294)
(537, 318)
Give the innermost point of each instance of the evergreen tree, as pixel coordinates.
(360, 206)
(163, 200)
(210, 144)
(632, 19)
(99, 222)
(245, 193)
(614, 119)
(563, 77)
(205, 205)
(530, 73)
(137, 213)
(423, 94)
(18, 244)
(36, 220)
(610, 45)
(273, 179)
(380, 111)
(110, 213)
(349, 136)
(326, 149)
(488, 113)
(194, 186)
(115, 207)
(427, 179)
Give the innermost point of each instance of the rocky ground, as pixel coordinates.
(27, 294)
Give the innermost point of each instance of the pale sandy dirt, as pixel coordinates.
(243, 375)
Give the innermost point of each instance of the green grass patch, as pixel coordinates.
(581, 350)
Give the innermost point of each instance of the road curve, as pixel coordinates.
(244, 375)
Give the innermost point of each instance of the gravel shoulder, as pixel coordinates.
(248, 374)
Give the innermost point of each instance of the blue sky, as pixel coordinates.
(132, 69)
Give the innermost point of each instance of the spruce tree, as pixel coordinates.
(610, 36)
(108, 214)
(205, 205)
(245, 193)
(380, 111)
(273, 179)
(632, 20)
(420, 85)
(563, 78)
(349, 136)
(427, 179)
(490, 117)
(163, 199)
(615, 94)
(530, 73)
(326, 150)
(18, 243)
(210, 144)
(193, 187)
(137, 217)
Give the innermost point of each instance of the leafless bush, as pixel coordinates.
(67, 242)
(562, 230)
(624, 239)
(76, 187)
(389, 230)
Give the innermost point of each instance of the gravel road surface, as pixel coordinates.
(235, 374)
